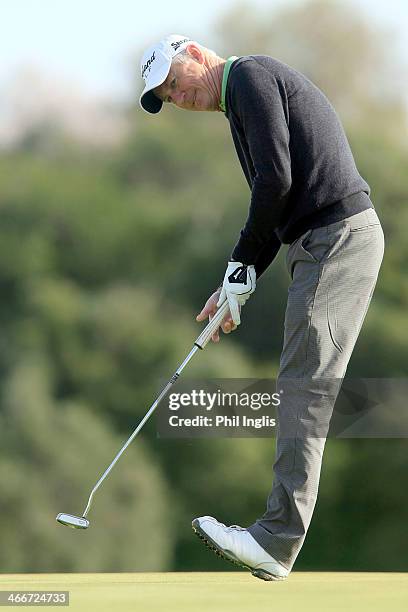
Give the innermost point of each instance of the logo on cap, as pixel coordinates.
(178, 43)
(148, 64)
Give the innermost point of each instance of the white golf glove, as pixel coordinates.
(239, 282)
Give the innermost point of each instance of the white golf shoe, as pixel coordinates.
(237, 545)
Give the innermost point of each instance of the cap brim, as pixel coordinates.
(148, 101)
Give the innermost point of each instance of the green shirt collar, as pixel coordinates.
(227, 67)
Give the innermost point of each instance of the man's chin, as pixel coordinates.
(211, 107)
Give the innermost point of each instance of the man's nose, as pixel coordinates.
(178, 97)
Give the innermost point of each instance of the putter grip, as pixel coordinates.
(212, 326)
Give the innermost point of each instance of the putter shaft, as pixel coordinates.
(200, 343)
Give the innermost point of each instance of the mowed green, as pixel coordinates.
(221, 591)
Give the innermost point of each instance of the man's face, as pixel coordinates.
(188, 87)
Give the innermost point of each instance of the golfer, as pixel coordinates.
(306, 192)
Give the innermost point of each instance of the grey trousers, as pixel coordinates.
(334, 271)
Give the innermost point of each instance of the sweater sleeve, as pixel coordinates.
(267, 254)
(257, 102)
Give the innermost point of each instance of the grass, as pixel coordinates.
(221, 591)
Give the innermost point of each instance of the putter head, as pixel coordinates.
(76, 522)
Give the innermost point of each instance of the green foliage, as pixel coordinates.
(51, 453)
(359, 522)
(98, 260)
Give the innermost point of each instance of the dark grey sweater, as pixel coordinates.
(294, 154)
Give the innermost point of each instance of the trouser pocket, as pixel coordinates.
(315, 246)
(351, 284)
(328, 300)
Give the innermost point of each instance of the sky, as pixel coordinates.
(92, 43)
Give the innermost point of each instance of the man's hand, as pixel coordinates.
(209, 311)
(239, 283)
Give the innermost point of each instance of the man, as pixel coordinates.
(305, 192)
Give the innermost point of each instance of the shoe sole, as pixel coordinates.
(228, 556)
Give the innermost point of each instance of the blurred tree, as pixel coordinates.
(332, 43)
(352, 527)
(98, 259)
(51, 454)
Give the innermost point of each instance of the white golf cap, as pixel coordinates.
(155, 67)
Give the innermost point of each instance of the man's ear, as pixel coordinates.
(195, 53)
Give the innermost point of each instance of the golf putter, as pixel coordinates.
(81, 522)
